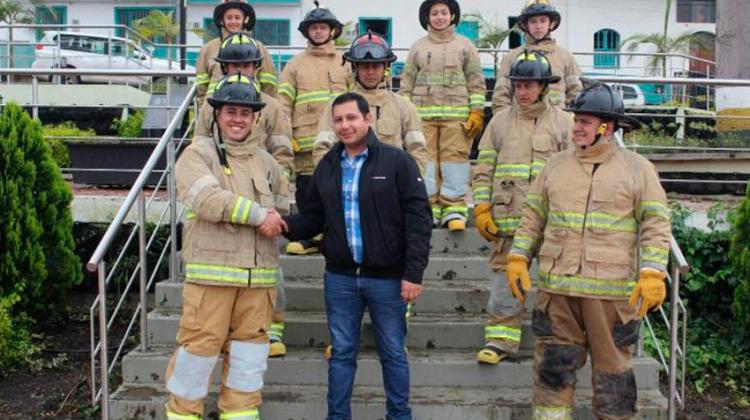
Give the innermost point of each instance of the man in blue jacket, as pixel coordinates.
(370, 202)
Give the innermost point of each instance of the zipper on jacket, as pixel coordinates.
(429, 57)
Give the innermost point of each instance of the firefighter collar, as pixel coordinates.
(532, 111)
(324, 49)
(442, 36)
(375, 97)
(546, 44)
(235, 148)
(599, 152)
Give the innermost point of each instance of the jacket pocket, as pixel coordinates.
(549, 252)
(543, 144)
(263, 192)
(387, 127)
(502, 198)
(611, 263)
(305, 117)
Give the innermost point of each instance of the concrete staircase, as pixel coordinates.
(445, 332)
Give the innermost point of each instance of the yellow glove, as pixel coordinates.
(483, 220)
(518, 270)
(295, 145)
(473, 125)
(651, 288)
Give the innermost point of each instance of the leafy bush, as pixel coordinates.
(718, 353)
(130, 128)
(36, 240)
(740, 257)
(16, 348)
(59, 149)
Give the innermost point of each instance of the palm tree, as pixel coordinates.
(491, 35)
(157, 26)
(663, 44)
(347, 35)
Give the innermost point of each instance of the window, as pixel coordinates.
(515, 39)
(696, 11)
(469, 29)
(380, 26)
(273, 31)
(606, 40)
(50, 15)
(628, 92)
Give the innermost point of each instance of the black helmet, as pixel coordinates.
(239, 48)
(236, 89)
(321, 15)
(424, 11)
(601, 100)
(532, 65)
(246, 8)
(538, 8)
(370, 48)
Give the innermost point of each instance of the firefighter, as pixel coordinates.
(231, 16)
(589, 214)
(444, 79)
(230, 187)
(272, 131)
(307, 84)
(394, 119)
(538, 19)
(516, 144)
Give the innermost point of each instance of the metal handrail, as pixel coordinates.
(96, 262)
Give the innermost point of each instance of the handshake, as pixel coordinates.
(273, 225)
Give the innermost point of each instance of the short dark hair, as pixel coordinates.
(347, 97)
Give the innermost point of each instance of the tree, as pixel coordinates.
(491, 36)
(37, 258)
(159, 26)
(739, 254)
(347, 35)
(662, 44)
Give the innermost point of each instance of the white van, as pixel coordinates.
(92, 51)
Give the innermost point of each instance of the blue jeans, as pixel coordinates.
(346, 298)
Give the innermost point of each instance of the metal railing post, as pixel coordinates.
(169, 100)
(673, 343)
(34, 97)
(103, 349)
(143, 285)
(172, 193)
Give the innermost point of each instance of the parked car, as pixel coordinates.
(632, 95)
(95, 51)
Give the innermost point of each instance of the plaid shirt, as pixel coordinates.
(351, 168)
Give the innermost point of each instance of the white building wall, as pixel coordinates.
(581, 19)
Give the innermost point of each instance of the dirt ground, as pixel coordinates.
(61, 390)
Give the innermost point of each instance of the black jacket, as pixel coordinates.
(395, 214)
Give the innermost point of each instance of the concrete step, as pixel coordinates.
(309, 329)
(305, 366)
(443, 241)
(443, 267)
(368, 403)
(444, 296)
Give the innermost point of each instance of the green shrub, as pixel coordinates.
(16, 348)
(740, 256)
(718, 354)
(130, 128)
(36, 240)
(59, 149)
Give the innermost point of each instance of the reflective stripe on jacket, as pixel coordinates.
(221, 244)
(587, 214)
(443, 76)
